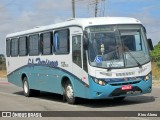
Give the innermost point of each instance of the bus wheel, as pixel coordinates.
(29, 92)
(69, 93)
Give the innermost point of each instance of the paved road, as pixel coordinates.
(12, 99)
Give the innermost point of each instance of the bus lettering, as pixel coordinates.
(38, 61)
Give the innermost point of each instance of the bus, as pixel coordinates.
(91, 58)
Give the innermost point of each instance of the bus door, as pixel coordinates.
(77, 55)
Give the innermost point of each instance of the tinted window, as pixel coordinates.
(46, 42)
(61, 41)
(23, 46)
(85, 67)
(8, 47)
(14, 47)
(34, 44)
(76, 50)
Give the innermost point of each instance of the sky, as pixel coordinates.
(18, 15)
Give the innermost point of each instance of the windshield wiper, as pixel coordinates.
(138, 63)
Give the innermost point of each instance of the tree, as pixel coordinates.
(155, 54)
(2, 61)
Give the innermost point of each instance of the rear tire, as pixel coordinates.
(69, 93)
(27, 91)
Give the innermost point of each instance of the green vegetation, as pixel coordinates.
(2, 66)
(155, 71)
(2, 62)
(158, 64)
(155, 54)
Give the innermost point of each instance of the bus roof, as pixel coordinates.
(83, 22)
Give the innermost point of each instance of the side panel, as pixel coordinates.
(49, 80)
(45, 72)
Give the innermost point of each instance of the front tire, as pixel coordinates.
(27, 91)
(69, 93)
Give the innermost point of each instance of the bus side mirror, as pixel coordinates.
(85, 40)
(150, 44)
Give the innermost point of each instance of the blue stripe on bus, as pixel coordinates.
(58, 68)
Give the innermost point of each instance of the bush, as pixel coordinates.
(158, 64)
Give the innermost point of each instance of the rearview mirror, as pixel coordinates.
(150, 44)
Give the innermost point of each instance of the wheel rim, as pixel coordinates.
(69, 92)
(25, 87)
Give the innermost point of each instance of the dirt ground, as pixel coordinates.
(156, 83)
(3, 73)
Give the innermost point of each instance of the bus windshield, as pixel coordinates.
(117, 46)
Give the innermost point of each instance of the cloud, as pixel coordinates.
(27, 18)
(152, 7)
(4, 14)
(4, 19)
(151, 23)
(147, 14)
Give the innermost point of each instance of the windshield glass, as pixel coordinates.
(117, 46)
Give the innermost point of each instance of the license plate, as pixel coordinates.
(126, 87)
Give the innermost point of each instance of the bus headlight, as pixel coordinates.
(147, 77)
(100, 82)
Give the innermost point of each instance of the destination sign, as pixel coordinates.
(101, 28)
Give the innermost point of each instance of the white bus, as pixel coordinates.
(93, 58)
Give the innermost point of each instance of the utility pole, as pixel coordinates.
(96, 8)
(73, 8)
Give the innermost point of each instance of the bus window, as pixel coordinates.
(76, 50)
(22, 46)
(14, 47)
(129, 41)
(61, 41)
(46, 43)
(8, 47)
(34, 44)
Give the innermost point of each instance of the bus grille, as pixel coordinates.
(127, 83)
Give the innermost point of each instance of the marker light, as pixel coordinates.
(100, 82)
(147, 77)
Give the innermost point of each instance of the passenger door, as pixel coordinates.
(77, 56)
